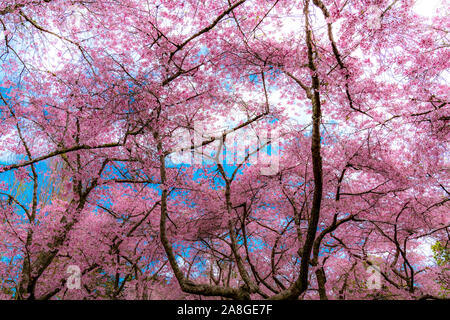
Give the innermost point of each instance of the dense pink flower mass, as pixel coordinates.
(347, 103)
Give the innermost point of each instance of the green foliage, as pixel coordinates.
(441, 253)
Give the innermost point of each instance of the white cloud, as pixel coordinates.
(427, 7)
(7, 156)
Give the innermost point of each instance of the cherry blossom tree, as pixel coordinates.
(98, 99)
